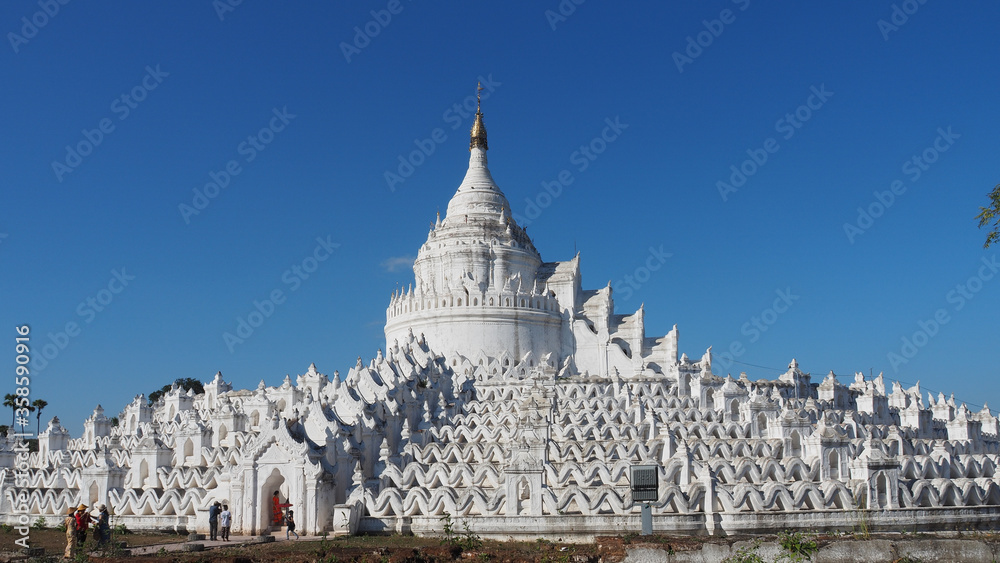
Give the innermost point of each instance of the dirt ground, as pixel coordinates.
(400, 549)
(381, 549)
(392, 549)
(54, 541)
(389, 549)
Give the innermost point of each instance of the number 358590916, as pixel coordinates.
(22, 372)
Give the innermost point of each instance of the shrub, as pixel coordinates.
(797, 546)
(746, 554)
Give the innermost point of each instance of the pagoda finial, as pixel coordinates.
(478, 129)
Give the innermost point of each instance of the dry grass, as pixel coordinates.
(54, 541)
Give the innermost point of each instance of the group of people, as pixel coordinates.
(279, 517)
(219, 521)
(77, 523)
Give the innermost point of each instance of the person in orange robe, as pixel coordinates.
(276, 506)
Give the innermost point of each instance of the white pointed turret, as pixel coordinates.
(478, 196)
(476, 275)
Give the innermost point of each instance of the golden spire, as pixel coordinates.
(478, 129)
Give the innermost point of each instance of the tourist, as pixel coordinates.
(82, 523)
(276, 506)
(102, 530)
(70, 523)
(225, 520)
(213, 520)
(290, 522)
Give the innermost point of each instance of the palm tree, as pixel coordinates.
(10, 400)
(39, 404)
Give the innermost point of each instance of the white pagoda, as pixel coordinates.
(516, 401)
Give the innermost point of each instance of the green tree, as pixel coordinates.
(10, 400)
(991, 214)
(39, 404)
(186, 384)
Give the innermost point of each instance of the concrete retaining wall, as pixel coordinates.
(846, 551)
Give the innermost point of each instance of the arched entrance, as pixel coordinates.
(143, 474)
(796, 444)
(275, 481)
(523, 499)
(95, 495)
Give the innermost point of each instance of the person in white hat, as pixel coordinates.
(102, 530)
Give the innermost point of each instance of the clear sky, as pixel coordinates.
(711, 151)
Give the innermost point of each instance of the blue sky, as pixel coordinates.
(154, 101)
